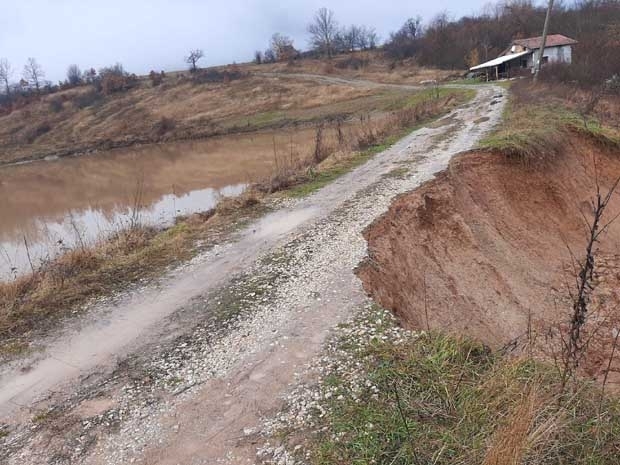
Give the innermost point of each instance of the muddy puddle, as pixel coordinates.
(56, 204)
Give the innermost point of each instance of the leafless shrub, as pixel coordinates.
(156, 78)
(573, 345)
(137, 204)
(193, 58)
(217, 76)
(367, 136)
(319, 153)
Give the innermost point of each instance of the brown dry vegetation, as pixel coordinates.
(371, 65)
(336, 146)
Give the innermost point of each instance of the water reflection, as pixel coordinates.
(91, 196)
(47, 238)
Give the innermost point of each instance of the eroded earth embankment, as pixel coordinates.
(484, 248)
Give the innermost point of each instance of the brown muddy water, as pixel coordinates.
(53, 205)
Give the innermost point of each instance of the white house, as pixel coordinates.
(522, 54)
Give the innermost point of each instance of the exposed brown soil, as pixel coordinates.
(484, 246)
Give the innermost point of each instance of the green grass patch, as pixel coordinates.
(462, 95)
(319, 179)
(478, 82)
(267, 118)
(436, 399)
(535, 131)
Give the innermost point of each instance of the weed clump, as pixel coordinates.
(432, 398)
(538, 121)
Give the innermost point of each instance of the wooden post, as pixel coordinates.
(497, 73)
(538, 64)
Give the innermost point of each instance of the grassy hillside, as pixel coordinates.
(188, 106)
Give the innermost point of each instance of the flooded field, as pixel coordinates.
(47, 206)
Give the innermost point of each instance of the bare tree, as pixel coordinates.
(193, 58)
(352, 38)
(258, 57)
(373, 38)
(90, 75)
(269, 56)
(413, 27)
(5, 74)
(74, 75)
(33, 73)
(367, 38)
(323, 30)
(282, 46)
(403, 43)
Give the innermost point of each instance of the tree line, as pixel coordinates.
(468, 41)
(327, 37)
(459, 44)
(443, 42)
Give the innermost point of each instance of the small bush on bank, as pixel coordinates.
(539, 117)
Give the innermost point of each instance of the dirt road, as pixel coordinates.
(183, 372)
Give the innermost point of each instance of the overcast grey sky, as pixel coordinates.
(156, 34)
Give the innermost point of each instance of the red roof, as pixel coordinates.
(553, 40)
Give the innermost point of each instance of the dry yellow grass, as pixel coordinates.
(370, 65)
(510, 441)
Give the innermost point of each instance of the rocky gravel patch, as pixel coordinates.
(287, 434)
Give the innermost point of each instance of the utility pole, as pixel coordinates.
(538, 63)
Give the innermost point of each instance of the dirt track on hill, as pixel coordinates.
(184, 371)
